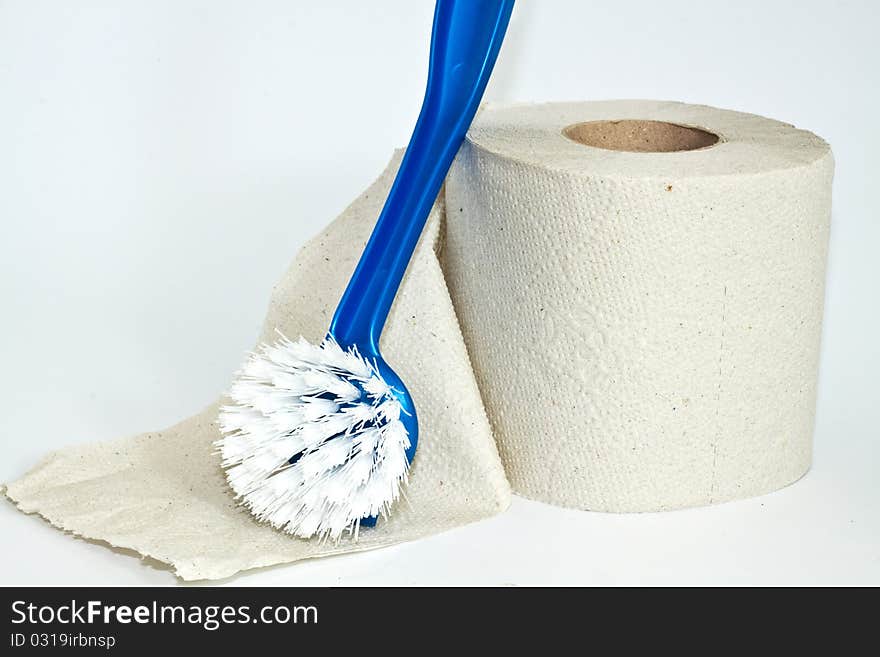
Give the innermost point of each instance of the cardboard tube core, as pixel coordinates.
(640, 136)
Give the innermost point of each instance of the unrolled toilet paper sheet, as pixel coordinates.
(163, 494)
(639, 330)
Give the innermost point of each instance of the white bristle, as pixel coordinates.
(295, 399)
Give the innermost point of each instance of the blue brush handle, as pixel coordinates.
(466, 37)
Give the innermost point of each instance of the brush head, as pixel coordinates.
(315, 439)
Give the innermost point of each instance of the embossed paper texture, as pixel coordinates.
(639, 330)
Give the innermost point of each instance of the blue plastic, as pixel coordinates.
(466, 38)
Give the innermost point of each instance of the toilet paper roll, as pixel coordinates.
(643, 330)
(640, 285)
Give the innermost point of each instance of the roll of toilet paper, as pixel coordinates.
(632, 290)
(640, 287)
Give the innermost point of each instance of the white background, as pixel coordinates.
(162, 161)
